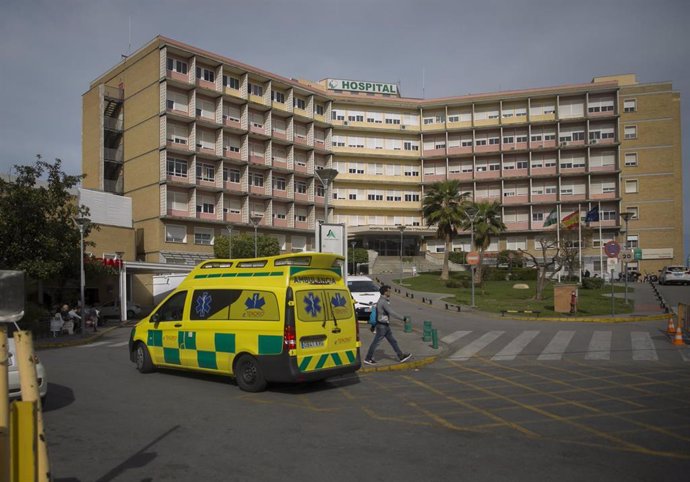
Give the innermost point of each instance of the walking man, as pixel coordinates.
(384, 312)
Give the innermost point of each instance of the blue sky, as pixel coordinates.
(51, 49)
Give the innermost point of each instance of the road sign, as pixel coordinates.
(612, 249)
(627, 255)
(638, 253)
(473, 258)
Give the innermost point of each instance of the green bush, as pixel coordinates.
(516, 274)
(592, 283)
(458, 283)
(459, 257)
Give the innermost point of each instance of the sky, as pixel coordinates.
(50, 50)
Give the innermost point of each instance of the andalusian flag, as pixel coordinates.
(552, 218)
(572, 220)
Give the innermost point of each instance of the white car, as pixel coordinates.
(365, 293)
(674, 274)
(111, 310)
(13, 375)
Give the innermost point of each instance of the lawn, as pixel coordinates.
(497, 296)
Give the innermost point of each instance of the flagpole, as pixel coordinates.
(601, 245)
(558, 233)
(579, 239)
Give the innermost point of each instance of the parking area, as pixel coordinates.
(643, 409)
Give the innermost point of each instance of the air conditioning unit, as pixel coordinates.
(563, 144)
(593, 141)
(512, 148)
(403, 127)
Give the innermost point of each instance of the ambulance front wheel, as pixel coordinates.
(248, 374)
(143, 359)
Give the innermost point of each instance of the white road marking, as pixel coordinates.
(643, 346)
(557, 346)
(516, 346)
(599, 346)
(453, 337)
(473, 348)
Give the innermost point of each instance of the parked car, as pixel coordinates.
(13, 375)
(365, 293)
(112, 310)
(674, 275)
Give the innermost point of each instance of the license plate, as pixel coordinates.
(312, 343)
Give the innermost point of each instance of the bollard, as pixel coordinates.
(434, 339)
(408, 324)
(427, 331)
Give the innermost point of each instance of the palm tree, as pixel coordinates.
(443, 206)
(487, 224)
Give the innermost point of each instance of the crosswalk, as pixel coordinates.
(599, 345)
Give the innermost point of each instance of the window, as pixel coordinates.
(231, 82)
(411, 197)
(631, 159)
(177, 201)
(231, 175)
(205, 172)
(205, 74)
(629, 105)
(632, 240)
(521, 164)
(173, 309)
(256, 179)
(410, 146)
(537, 216)
(203, 236)
(319, 109)
(176, 167)
(255, 89)
(177, 65)
(320, 191)
(631, 132)
(175, 233)
(301, 187)
(631, 186)
(205, 205)
(635, 212)
(299, 103)
(279, 183)
(277, 97)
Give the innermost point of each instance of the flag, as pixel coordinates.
(592, 215)
(551, 219)
(571, 220)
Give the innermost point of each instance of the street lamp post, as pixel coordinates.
(401, 227)
(255, 219)
(353, 244)
(626, 217)
(229, 228)
(471, 219)
(326, 176)
(81, 223)
(119, 301)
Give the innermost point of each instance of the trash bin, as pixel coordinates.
(562, 296)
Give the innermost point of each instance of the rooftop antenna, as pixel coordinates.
(423, 75)
(129, 41)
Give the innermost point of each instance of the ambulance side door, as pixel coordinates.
(168, 323)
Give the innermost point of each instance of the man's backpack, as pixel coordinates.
(372, 317)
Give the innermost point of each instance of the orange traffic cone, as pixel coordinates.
(670, 329)
(678, 339)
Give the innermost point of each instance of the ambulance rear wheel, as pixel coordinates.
(143, 359)
(248, 374)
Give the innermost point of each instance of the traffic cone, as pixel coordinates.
(678, 339)
(670, 329)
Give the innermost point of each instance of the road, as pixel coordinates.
(477, 418)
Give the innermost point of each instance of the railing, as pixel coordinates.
(112, 124)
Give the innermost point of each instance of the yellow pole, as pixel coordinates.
(4, 407)
(28, 380)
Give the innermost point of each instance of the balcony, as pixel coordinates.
(487, 174)
(234, 187)
(514, 173)
(173, 75)
(522, 199)
(455, 151)
(301, 224)
(543, 171)
(232, 217)
(280, 222)
(205, 84)
(279, 133)
(113, 155)
(232, 154)
(206, 216)
(603, 195)
(177, 179)
(544, 198)
(487, 148)
(439, 152)
(516, 225)
(178, 213)
(460, 175)
(232, 122)
(302, 197)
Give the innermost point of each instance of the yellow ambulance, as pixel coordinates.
(287, 318)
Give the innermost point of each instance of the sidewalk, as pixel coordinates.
(76, 339)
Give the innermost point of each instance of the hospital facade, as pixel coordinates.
(205, 145)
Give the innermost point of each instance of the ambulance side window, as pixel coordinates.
(172, 309)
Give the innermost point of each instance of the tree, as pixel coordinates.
(444, 206)
(487, 225)
(38, 234)
(545, 264)
(243, 246)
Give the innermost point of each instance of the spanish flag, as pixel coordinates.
(572, 220)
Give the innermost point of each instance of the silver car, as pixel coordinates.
(365, 293)
(13, 375)
(674, 275)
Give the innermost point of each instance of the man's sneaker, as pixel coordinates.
(370, 362)
(404, 357)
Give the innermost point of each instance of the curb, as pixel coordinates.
(401, 366)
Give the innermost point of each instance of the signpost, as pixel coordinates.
(472, 260)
